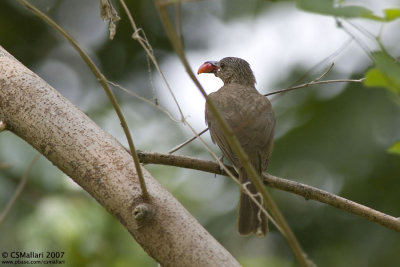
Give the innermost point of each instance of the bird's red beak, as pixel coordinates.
(208, 67)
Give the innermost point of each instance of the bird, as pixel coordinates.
(250, 117)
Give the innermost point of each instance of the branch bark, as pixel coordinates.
(37, 113)
(306, 191)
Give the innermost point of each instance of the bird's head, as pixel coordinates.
(230, 70)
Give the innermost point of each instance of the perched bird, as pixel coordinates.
(250, 116)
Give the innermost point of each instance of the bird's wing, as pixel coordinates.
(250, 117)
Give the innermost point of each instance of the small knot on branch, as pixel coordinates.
(142, 214)
(136, 34)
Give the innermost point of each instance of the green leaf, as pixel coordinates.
(354, 12)
(391, 14)
(322, 7)
(394, 149)
(385, 74)
(328, 7)
(376, 78)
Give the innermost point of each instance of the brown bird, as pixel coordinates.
(250, 116)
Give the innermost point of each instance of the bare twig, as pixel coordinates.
(178, 22)
(186, 142)
(20, 188)
(162, 109)
(309, 192)
(149, 52)
(331, 58)
(354, 37)
(103, 81)
(325, 72)
(306, 191)
(305, 85)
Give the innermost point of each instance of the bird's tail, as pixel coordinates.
(250, 218)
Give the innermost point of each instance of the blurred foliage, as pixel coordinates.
(337, 143)
(385, 74)
(395, 148)
(344, 10)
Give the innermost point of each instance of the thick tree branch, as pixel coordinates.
(306, 191)
(37, 113)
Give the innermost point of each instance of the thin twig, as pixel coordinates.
(306, 191)
(157, 106)
(103, 81)
(150, 73)
(357, 40)
(325, 72)
(149, 52)
(305, 85)
(309, 192)
(186, 142)
(331, 57)
(20, 188)
(178, 21)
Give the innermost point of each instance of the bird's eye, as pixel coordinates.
(222, 65)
